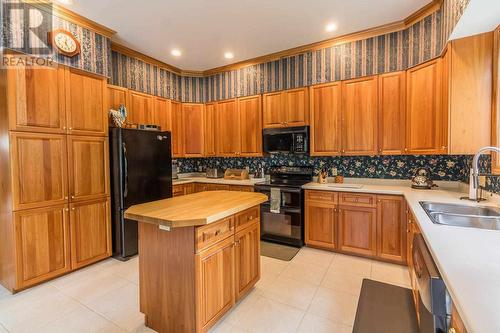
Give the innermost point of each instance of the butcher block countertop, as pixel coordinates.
(194, 209)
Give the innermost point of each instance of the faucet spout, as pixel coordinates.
(474, 173)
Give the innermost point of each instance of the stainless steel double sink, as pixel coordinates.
(462, 215)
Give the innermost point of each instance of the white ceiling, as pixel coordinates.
(204, 29)
(479, 16)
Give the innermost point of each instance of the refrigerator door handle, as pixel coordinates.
(125, 167)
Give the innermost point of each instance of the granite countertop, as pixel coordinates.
(467, 258)
(194, 209)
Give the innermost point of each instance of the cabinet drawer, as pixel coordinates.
(212, 233)
(241, 188)
(362, 200)
(326, 196)
(246, 217)
(177, 190)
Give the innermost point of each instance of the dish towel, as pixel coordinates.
(275, 200)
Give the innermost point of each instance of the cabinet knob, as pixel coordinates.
(72, 197)
(66, 209)
(250, 217)
(406, 149)
(64, 127)
(70, 128)
(66, 198)
(443, 147)
(73, 208)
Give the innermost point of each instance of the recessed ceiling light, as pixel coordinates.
(331, 27)
(176, 52)
(228, 55)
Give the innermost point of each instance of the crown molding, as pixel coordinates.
(428, 9)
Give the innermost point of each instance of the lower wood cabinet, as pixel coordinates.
(247, 258)
(391, 228)
(358, 230)
(321, 224)
(90, 232)
(183, 189)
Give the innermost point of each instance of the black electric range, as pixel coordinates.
(287, 226)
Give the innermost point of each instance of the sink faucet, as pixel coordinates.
(474, 172)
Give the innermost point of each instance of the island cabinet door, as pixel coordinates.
(247, 258)
(357, 230)
(214, 283)
(391, 228)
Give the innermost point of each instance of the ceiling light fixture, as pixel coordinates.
(228, 55)
(331, 27)
(176, 53)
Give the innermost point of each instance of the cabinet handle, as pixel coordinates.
(250, 218)
(217, 233)
(443, 147)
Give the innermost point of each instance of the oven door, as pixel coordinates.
(283, 227)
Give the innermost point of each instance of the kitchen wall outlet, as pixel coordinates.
(335, 172)
(482, 181)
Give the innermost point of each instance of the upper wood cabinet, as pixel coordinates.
(426, 119)
(36, 100)
(391, 113)
(116, 96)
(359, 116)
(177, 129)
(357, 230)
(86, 97)
(210, 129)
(88, 167)
(228, 130)
(247, 257)
(39, 170)
(42, 244)
(162, 114)
(495, 121)
(141, 108)
(326, 119)
(90, 232)
(250, 115)
(193, 119)
(391, 228)
(286, 108)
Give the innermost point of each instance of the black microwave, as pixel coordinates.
(288, 140)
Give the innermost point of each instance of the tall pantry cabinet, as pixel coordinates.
(54, 173)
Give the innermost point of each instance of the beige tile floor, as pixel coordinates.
(315, 292)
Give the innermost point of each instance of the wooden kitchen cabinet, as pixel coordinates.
(241, 188)
(218, 187)
(286, 108)
(495, 117)
(42, 244)
(250, 122)
(228, 130)
(162, 114)
(177, 129)
(116, 96)
(326, 119)
(193, 120)
(214, 283)
(86, 103)
(36, 100)
(456, 325)
(141, 108)
(412, 230)
(391, 228)
(359, 116)
(210, 129)
(357, 228)
(391, 113)
(247, 258)
(90, 230)
(321, 224)
(426, 119)
(88, 164)
(39, 170)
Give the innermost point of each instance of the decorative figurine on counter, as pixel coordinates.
(322, 176)
(118, 117)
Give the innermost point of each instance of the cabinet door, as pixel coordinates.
(36, 99)
(228, 132)
(200, 187)
(214, 283)
(116, 96)
(296, 104)
(42, 244)
(320, 224)
(358, 230)
(326, 116)
(39, 170)
(391, 228)
(177, 129)
(141, 108)
(217, 187)
(359, 114)
(210, 129)
(426, 120)
(90, 232)
(193, 119)
(273, 110)
(250, 125)
(247, 258)
(178, 190)
(162, 114)
(391, 113)
(85, 103)
(88, 159)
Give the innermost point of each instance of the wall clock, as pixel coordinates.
(64, 42)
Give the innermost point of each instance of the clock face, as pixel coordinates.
(65, 42)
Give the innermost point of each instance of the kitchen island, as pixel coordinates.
(198, 255)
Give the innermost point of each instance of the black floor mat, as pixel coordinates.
(385, 308)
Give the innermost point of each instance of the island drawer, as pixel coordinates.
(358, 199)
(327, 196)
(246, 217)
(210, 234)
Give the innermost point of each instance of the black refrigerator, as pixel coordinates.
(141, 171)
